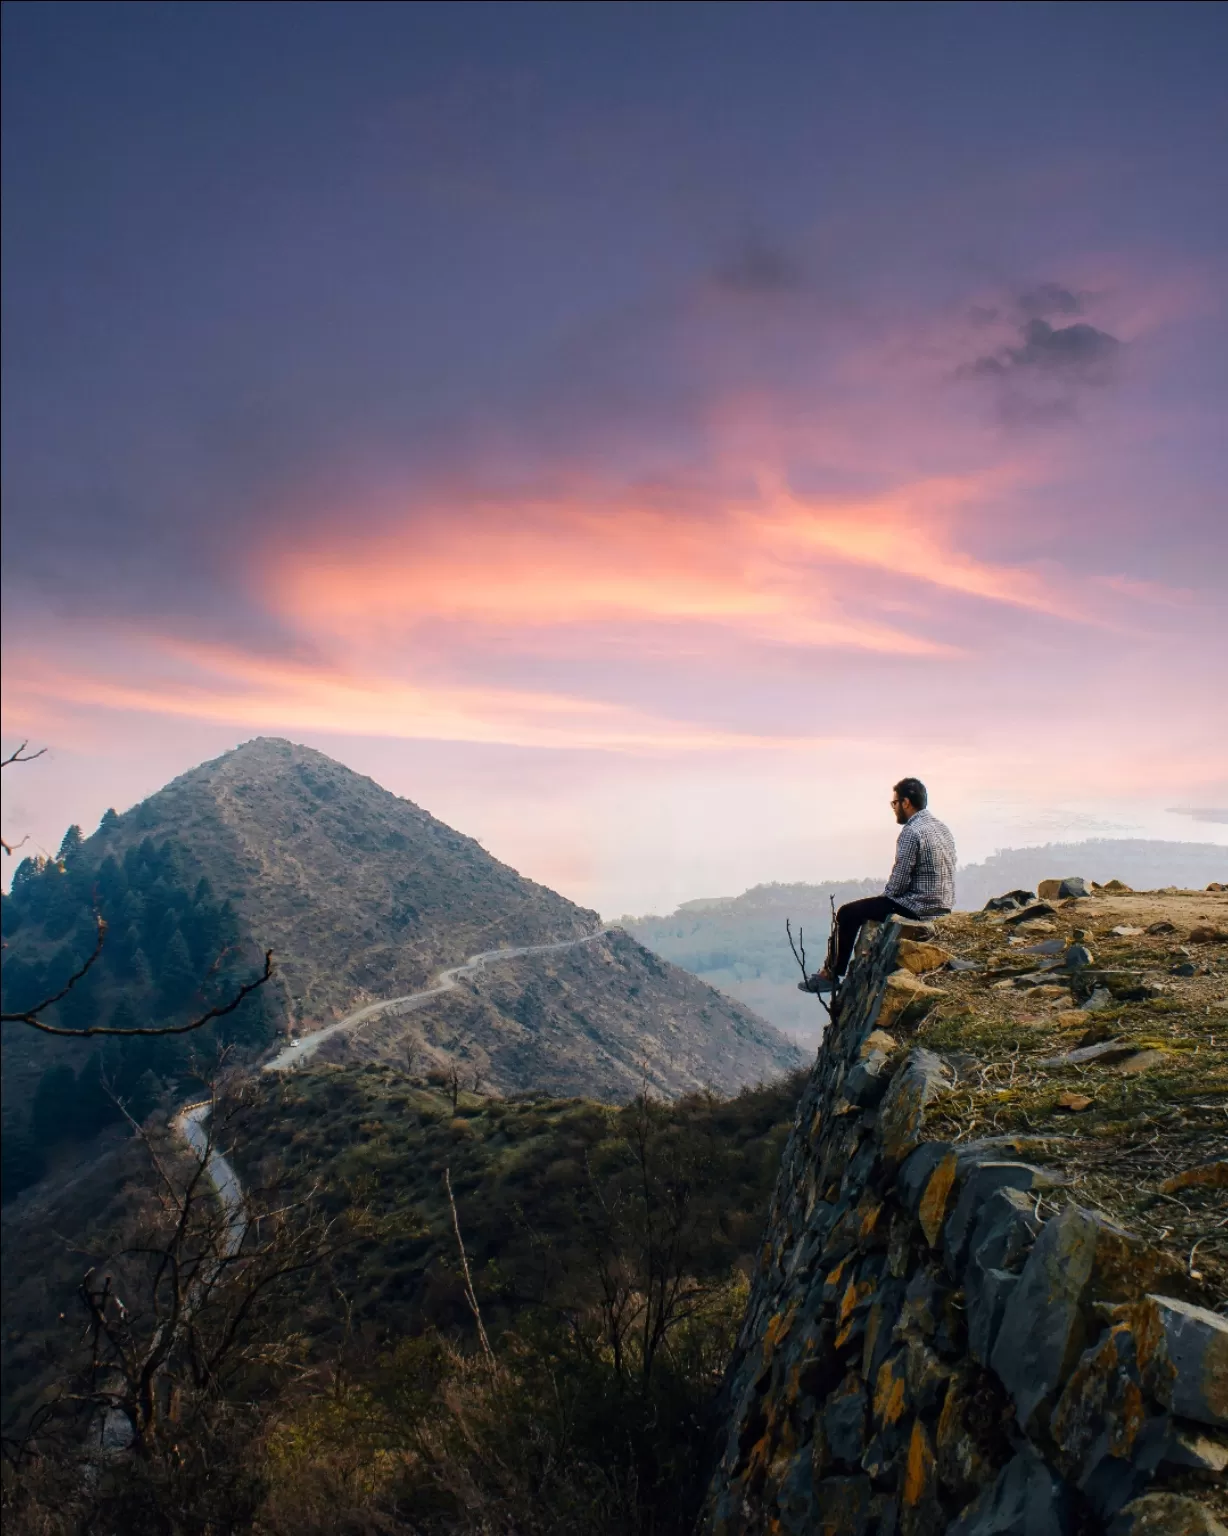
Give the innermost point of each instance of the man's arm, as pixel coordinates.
(905, 862)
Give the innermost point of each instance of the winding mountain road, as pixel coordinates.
(190, 1119)
(307, 1045)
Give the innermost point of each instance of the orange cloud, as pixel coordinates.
(214, 683)
(769, 565)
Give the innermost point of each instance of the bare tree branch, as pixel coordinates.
(799, 954)
(19, 756)
(470, 1295)
(31, 1016)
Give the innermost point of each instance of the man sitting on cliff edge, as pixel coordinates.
(922, 884)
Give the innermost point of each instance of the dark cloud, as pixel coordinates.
(1078, 348)
(1217, 814)
(760, 268)
(1051, 299)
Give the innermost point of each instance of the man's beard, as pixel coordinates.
(901, 816)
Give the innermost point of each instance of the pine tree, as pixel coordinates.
(110, 818)
(176, 975)
(71, 845)
(142, 973)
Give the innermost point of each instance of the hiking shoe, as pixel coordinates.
(816, 983)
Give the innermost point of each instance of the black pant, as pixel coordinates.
(849, 918)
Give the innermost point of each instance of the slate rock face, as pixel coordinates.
(924, 1352)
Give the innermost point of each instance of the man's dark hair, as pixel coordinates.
(913, 791)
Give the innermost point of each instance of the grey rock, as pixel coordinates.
(844, 1420)
(1044, 1327)
(1101, 998)
(1028, 914)
(795, 1497)
(1027, 1499)
(915, 1173)
(925, 1303)
(1000, 1242)
(902, 1112)
(1073, 887)
(1106, 1052)
(980, 1182)
(1077, 957)
(1005, 1229)
(867, 1081)
(986, 1309)
(1185, 969)
(1166, 1514)
(1045, 947)
(964, 965)
(886, 1307)
(1197, 1344)
(1009, 900)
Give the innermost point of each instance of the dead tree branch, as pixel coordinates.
(799, 954)
(470, 1295)
(31, 1016)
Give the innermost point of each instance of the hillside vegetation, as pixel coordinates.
(609, 1251)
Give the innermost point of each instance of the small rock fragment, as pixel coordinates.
(1160, 927)
(1029, 914)
(919, 958)
(1208, 935)
(1075, 1102)
(1124, 931)
(1142, 1061)
(1106, 1053)
(905, 1001)
(1117, 888)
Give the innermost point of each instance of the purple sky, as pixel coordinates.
(637, 433)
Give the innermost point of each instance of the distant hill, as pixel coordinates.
(362, 896)
(1144, 863)
(738, 943)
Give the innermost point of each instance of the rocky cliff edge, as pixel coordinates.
(941, 1337)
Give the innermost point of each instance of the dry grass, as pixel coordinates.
(1149, 1117)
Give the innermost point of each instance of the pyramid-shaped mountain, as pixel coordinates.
(363, 897)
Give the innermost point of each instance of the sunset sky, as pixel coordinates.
(636, 433)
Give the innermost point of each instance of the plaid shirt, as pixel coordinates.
(923, 879)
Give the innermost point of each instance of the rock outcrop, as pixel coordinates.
(940, 1337)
